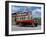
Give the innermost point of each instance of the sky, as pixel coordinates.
(36, 11)
(23, 8)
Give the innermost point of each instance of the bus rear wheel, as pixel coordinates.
(17, 23)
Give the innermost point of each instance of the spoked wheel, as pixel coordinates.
(36, 25)
(17, 23)
(20, 24)
(23, 24)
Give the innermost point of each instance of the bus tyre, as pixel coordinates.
(17, 23)
(36, 25)
(20, 24)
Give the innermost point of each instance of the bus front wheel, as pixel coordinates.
(36, 24)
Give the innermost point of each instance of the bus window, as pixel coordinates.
(21, 18)
(26, 17)
(29, 17)
(17, 18)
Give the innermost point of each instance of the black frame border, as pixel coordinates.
(7, 17)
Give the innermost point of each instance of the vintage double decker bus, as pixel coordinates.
(25, 19)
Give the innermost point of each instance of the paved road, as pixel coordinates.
(17, 28)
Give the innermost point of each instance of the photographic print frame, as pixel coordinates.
(7, 10)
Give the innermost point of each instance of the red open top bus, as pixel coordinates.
(25, 18)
